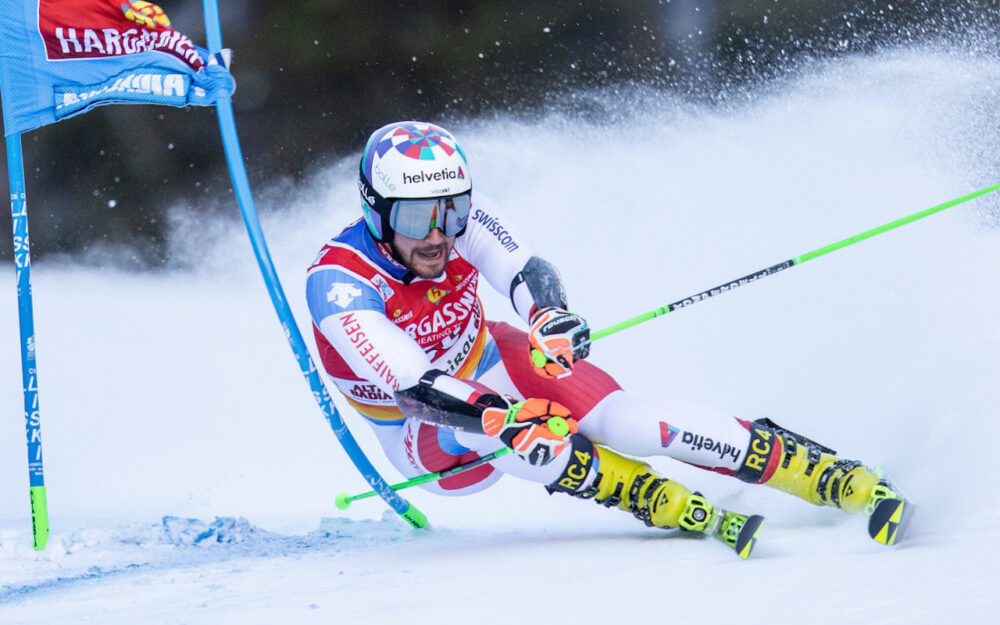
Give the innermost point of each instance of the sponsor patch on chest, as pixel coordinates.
(383, 287)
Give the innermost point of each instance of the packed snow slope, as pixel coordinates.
(191, 476)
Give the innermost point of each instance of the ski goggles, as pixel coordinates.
(416, 218)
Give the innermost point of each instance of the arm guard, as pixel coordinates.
(442, 400)
(543, 284)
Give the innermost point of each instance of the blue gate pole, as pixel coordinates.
(241, 185)
(29, 368)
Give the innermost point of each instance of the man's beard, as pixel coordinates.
(418, 264)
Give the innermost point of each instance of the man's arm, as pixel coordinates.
(442, 400)
(349, 313)
(494, 245)
(537, 286)
(558, 337)
(505, 258)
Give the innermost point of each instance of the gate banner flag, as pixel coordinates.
(60, 58)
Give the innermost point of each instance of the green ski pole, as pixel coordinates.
(343, 500)
(798, 260)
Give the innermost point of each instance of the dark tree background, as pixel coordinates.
(314, 77)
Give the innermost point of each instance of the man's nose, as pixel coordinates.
(435, 237)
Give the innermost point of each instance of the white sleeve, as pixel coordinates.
(494, 246)
(375, 349)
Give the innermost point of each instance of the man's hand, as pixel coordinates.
(558, 339)
(536, 429)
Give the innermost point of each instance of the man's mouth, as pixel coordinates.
(431, 254)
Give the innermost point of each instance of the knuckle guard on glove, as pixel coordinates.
(558, 339)
(524, 428)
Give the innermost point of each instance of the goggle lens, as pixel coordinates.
(416, 218)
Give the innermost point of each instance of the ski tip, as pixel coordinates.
(889, 520)
(747, 538)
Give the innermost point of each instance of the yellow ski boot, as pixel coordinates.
(632, 486)
(793, 464)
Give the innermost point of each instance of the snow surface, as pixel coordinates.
(191, 477)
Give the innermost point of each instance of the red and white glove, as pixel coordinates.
(537, 430)
(558, 339)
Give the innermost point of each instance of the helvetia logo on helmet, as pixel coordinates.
(444, 174)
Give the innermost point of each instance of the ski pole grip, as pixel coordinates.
(558, 426)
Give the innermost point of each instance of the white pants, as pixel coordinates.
(626, 422)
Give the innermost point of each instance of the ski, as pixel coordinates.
(889, 520)
(889, 513)
(739, 532)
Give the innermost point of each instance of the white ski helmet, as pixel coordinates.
(412, 160)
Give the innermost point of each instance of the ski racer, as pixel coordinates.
(403, 335)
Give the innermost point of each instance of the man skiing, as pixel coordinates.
(402, 333)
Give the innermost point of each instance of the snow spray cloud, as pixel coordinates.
(619, 183)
